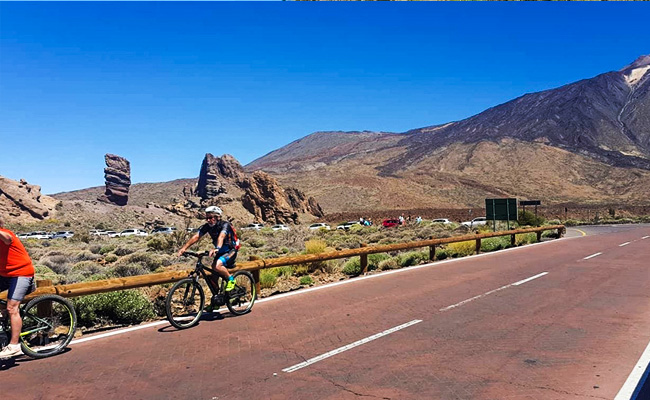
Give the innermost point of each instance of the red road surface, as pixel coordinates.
(573, 333)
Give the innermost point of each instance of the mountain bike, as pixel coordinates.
(185, 300)
(49, 324)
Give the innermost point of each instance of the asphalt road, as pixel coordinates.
(565, 319)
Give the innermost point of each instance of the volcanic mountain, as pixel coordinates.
(585, 142)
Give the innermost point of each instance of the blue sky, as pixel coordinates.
(164, 83)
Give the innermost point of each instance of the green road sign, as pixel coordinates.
(501, 209)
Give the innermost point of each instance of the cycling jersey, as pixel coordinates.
(214, 232)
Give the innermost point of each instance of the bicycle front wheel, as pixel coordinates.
(184, 304)
(240, 300)
(49, 324)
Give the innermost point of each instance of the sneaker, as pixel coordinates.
(12, 350)
(230, 286)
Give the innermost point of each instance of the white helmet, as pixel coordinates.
(213, 210)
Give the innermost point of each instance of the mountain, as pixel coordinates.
(585, 142)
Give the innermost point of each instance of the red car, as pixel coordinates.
(389, 223)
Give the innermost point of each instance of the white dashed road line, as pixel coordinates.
(645, 237)
(623, 244)
(592, 256)
(350, 346)
(493, 291)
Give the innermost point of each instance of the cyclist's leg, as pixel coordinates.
(19, 287)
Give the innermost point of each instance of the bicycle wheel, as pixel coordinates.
(240, 300)
(184, 304)
(49, 324)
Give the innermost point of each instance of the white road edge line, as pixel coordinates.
(592, 256)
(349, 346)
(349, 281)
(632, 381)
(623, 244)
(521, 282)
(645, 237)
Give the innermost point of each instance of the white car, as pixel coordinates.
(97, 232)
(441, 221)
(475, 222)
(166, 230)
(133, 232)
(319, 225)
(280, 227)
(253, 227)
(110, 234)
(63, 235)
(348, 225)
(38, 235)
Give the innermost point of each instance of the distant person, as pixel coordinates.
(225, 244)
(418, 219)
(16, 276)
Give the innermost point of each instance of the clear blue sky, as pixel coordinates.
(164, 83)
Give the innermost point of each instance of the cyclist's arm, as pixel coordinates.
(220, 239)
(6, 238)
(189, 243)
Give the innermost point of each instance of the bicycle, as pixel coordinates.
(49, 324)
(185, 300)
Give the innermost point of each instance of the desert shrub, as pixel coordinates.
(529, 218)
(123, 251)
(425, 233)
(106, 249)
(147, 260)
(571, 222)
(43, 272)
(122, 270)
(83, 270)
(284, 250)
(123, 307)
(110, 258)
(356, 229)
(375, 259)
(159, 242)
(389, 263)
(352, 267)
(496, 243)
(306, 280)
(554, 222)
(59, 263)
(525, 238)
(461, 249)
(256, 242)
(86, 255)
(83, 237)
(95, 248)
(268, 278)
(412, 258)
(441, 254)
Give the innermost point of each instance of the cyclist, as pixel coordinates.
(17, 276)
(225, 245)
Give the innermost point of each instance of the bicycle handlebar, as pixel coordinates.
(197, 255)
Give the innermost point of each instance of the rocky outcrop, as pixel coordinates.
(222, 180)
(266, 200)
(118, 180)
(20, 201)
(300, 202)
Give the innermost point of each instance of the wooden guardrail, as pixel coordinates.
(111, 285)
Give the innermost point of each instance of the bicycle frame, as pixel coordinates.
(42, 323)
(207, 274)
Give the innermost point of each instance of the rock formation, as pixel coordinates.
(118, 180)
(222, 180)
(20, 201)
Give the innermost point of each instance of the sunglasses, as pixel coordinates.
(211, 217)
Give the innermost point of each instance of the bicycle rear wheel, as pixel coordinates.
(184, 304)
(49, 324)
(240, 300)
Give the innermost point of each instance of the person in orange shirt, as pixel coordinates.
(16, 276)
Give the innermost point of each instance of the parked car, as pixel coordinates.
(166, 230)
(63, 235)
(475, 222)
(390, 222)
(133, 232)
(280, 227)
(319, 225)
(347, 225)
(255, 227)
(441, 221)
(39, 235)
(110, 234)
(22, 235)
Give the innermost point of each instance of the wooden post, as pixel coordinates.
(539, 236)
(478, 246)
(256, 277)
(44, 309)
(364, 260)
(432, 253)
(513, 240)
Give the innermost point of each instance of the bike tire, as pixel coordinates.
(49, 324)
(184, 303)
(240, 300)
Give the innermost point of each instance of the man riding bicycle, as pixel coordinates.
(17, 276)
(225, 244)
